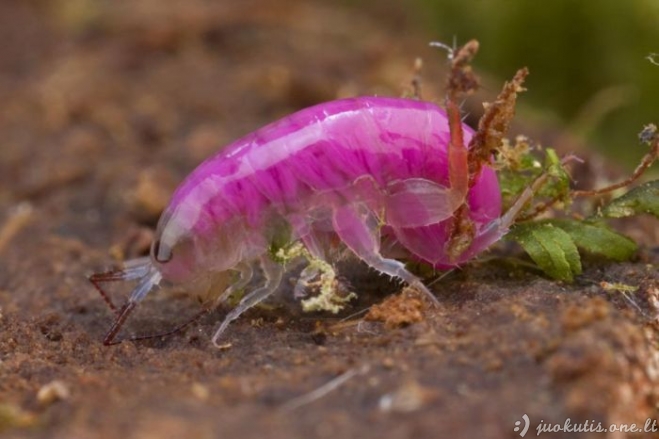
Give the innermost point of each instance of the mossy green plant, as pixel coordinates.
(554, 243)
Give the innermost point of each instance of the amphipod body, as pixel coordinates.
(378, 173)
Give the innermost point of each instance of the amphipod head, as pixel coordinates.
(173, 256)
(175, 250)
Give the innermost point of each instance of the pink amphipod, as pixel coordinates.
(375, 172)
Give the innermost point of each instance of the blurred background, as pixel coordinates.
(589, 72)
(590, 75)
(125, 85)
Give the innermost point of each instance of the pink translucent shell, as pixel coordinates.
(320, 158)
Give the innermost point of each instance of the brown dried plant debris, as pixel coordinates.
(399, 310)
(462, 80)
(494, 124)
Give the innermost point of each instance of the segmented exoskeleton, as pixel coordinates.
(383, 175)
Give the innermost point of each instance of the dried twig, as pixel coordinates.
(323, 390)
(18, 219)
(648, 135)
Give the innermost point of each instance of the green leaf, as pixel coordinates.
(513, 181)
(550, 247)
(551, 158)
(597, 239)
(642, 199)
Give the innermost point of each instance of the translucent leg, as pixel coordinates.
(419, 202)
(499, 227)
(133, 269)
(358, 229)
(245, 275)
(273, 273)
(317, 244)
(147, 283)
(309, 272)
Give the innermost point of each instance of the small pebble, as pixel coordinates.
(53, 391)
(200, 391)
(409, 397)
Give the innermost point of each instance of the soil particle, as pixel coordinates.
(398, 310)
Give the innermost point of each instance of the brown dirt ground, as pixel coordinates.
(106, 106)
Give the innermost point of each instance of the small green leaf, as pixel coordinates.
(550, 247)
(513, 181)
(551, 158)
(597, 239)
(642, 199)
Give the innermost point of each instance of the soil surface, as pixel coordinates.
(106, 106)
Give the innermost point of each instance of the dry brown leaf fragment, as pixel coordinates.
(494, 124)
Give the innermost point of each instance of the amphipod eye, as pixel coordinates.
(161, 253)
